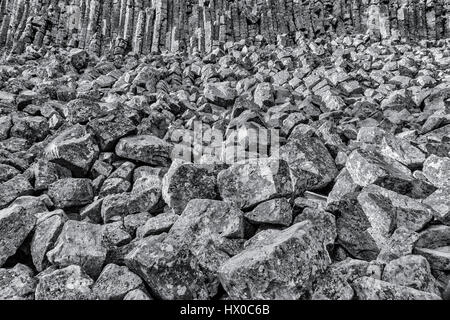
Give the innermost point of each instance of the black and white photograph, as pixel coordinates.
(224, 155)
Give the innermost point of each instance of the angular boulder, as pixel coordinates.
(81, 244)
(292, 259)
(253, 181)
(15, 225)
(147, 149)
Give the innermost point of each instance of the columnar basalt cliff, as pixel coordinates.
(159, 25)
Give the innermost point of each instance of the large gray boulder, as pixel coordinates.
(69, 283)
(147, 149)
(15, 225)
(292, 259)
(253, 181)
(80, 243)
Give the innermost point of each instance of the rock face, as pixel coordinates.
(226, 149)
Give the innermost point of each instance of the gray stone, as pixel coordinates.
(251, 182)
(138, 295)
(115, 282)
(157, 225)
(17, 283)
(311, 164)
(15, 225)
(367, 288)
(74, 148)
(70, 283)
(14, 188)
(186, 181)
(220, 93)
(71, 192)
(437, 171)
(48, 228)
(276, 211)
(147, 149)
(81, 244)
(439, 201)
(411, 271)
(292, 258)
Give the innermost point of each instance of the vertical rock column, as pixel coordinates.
(447, 19)
(106, 25)
(93, 33)
(149, 23)
(431, 19)
(139, 35)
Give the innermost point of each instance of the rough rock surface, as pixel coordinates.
(241, 149)
(291, 258)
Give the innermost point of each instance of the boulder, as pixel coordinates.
(15, 225)
(253, 181)
(147, 149)
(292, 258)
(81, 244)
(69, 283)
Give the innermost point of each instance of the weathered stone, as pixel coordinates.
(434, 237)
(115, 282)
(352, 227)
(191, 248)
(79, 243)
(82, 110)
(147, 149)
(186, 181)
(17, 283)
(71, 192)
(251, 182)
(437, 171)
(220, 93)
(439, 258)
(157, 225)
(311, 164)
(70, 283)
(7, 172)
(110, 129)
(138, 295)
(411, 271)
(439, 201)
(74, 149)
(401, 243)
(79, 59)
(48, 228)
(292, 258)
(14, 188)
(372, 289)
(15, 225)
(276, 211)
(46, 173)
(264, 95)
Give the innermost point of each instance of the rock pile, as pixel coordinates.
(140, 179)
